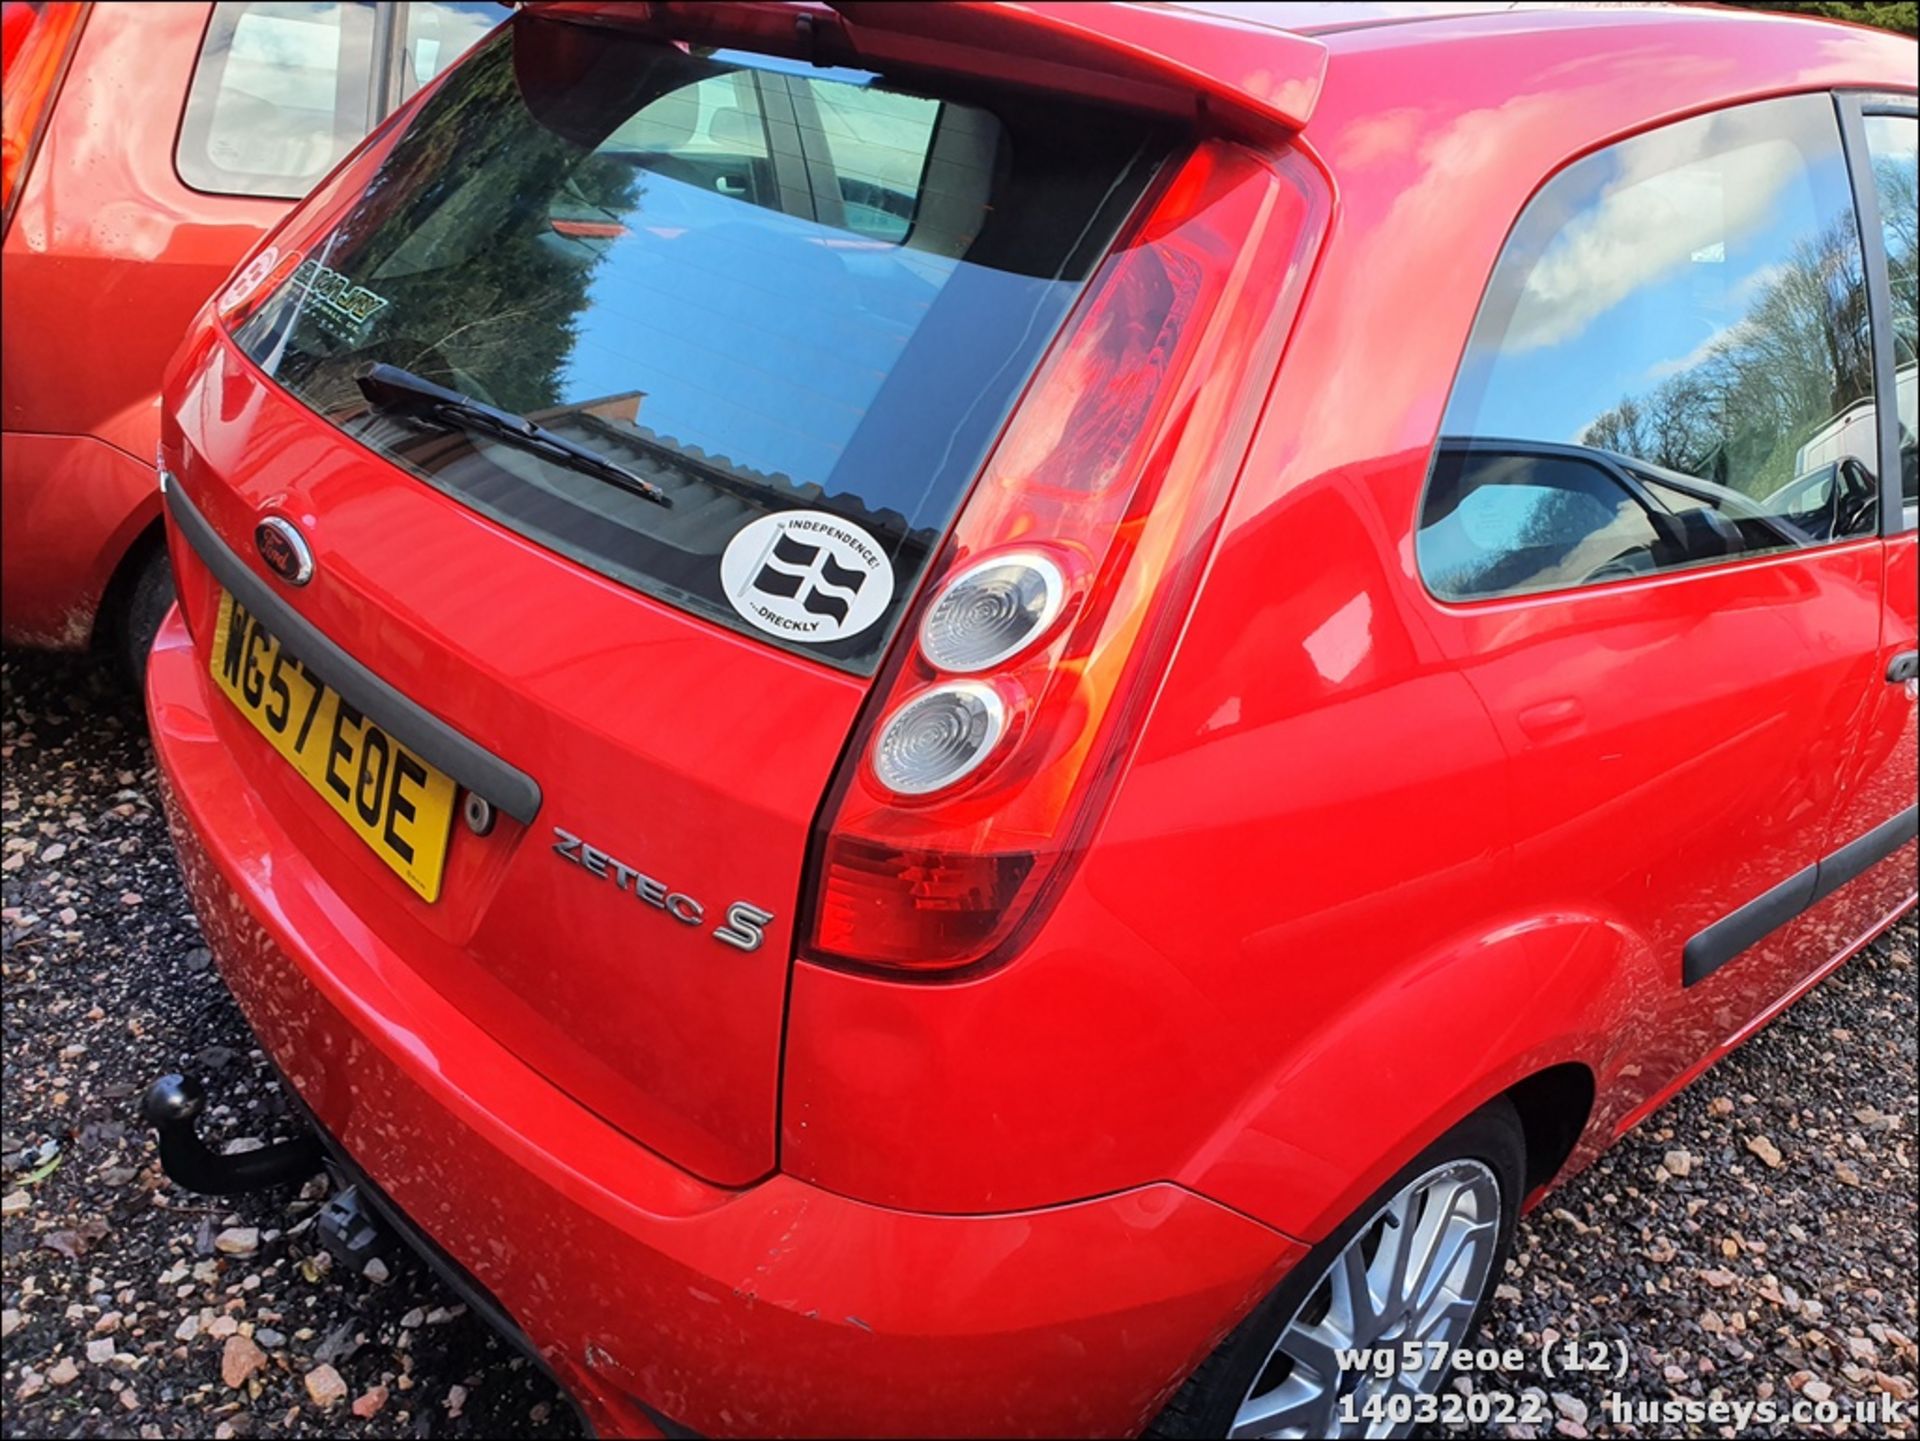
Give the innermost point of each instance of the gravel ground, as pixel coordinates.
(1757, 1237)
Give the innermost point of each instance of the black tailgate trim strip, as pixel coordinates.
(1732, 934)
(507, 787)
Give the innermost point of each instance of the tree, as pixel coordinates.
(1888, 16)
(1799, 356)
(454, 233)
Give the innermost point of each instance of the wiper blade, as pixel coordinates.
(401, 392)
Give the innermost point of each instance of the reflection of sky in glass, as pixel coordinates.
(767, 337)
(1657, 256)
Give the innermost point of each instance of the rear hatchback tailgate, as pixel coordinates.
(619, 408)
(677, 758)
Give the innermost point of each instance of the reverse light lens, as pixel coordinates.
(991, 611)
(939, 737)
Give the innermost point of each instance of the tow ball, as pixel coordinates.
(173, 1105)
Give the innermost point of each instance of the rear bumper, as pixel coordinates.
(779, 1308)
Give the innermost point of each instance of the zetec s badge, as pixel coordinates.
(745, 925)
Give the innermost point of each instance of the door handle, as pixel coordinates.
(1905, 667)
(1552, 717)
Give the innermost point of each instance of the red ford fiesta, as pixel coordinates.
(966, 718)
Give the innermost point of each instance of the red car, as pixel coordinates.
(146, 149)
(1002, 719)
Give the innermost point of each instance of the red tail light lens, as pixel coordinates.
(39, 42)
(1116, 467)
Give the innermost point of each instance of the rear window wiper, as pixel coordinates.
(400, 392)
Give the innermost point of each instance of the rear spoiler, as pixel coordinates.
(1211, 71)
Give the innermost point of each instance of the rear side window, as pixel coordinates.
(798, 301)
(1672, 365)
(283, 89)
(280, 93)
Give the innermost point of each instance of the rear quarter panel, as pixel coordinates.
(1294, 954)
(107, 258)
(109, 254)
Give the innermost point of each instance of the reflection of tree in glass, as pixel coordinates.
(1800, 356)
(455, 233)
(1893, 178)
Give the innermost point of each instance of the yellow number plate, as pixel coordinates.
(397, 803)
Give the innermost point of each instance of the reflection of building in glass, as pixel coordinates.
(622, 408)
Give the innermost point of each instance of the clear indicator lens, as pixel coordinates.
(938, 737)
(992, 610)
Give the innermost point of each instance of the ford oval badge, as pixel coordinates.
(284, 550)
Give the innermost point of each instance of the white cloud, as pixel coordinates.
(1664, 207)
(1725, 335)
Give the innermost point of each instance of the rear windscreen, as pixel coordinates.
(795, 303)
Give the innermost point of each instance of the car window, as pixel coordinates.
(854, 157)
(283, 89)
(1681, 317)
(653, 254)
(434, 34)
(876, 142)
(717, 117)
(1502, 520)
(1891, 145)
(280, 93)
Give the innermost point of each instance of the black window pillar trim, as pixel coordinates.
(505, 786)
(1852, 108)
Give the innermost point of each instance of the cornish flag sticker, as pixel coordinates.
(806, 575)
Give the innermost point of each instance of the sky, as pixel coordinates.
(1668, 259)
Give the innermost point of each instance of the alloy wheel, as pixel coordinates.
(1413, 1273)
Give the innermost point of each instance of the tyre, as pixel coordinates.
(1416, 1263)
(148, 593)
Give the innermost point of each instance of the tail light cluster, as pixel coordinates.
(995, 733)
(36, 42)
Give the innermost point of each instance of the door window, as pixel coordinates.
(1672, 365)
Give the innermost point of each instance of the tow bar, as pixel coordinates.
(172, 1105)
